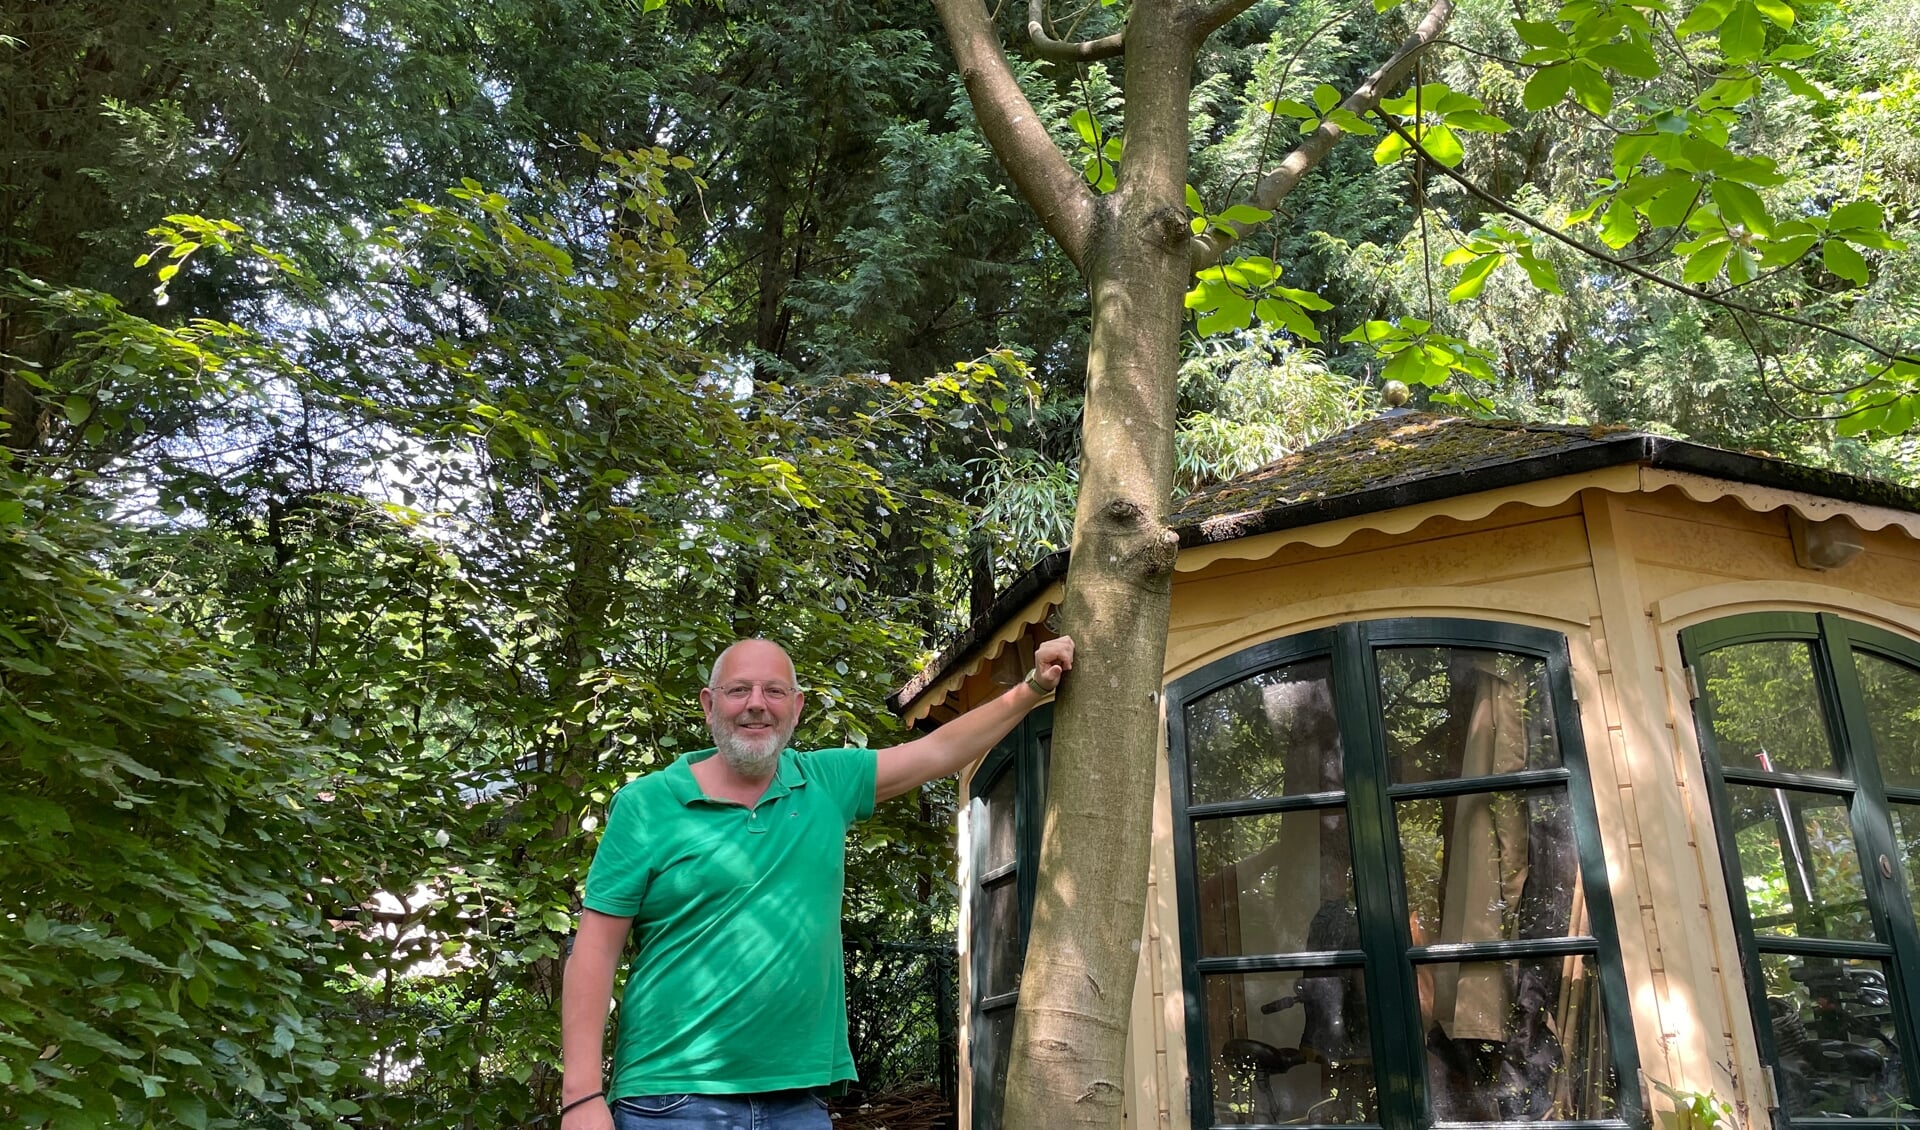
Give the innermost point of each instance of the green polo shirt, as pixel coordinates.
(737, 982)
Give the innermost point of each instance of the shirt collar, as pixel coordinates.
(787, 776)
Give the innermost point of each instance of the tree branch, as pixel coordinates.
(1635, 269)
(1050, 186)
(1067, 50)
(1210, 18)
(1210, 245)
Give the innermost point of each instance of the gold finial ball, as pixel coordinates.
(1394, 393)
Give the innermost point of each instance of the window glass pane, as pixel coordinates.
(1892, 692)
(1278, 883)
(1516, 1041)
(1798, 864)
(1833, 1027)
(998, 935)
(992, 1043)
(1273, 734)
(1455, 712)
(1906, 835)
(1289, 1047)
(1491, 867)
(1767, 713)
(997, 820)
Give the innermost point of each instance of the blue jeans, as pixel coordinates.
(767, 1110)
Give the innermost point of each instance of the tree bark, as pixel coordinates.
(1070, 1036)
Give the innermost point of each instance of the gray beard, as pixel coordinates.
(749, 760)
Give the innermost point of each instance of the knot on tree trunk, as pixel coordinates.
(1157, 557)
(1124, 512)
(1169, 228)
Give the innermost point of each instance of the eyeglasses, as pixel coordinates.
(776, 694)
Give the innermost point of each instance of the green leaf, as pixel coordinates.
(1474, 278)
(1246, 214)
(1540, 33)
(1290, 108)
(1670, 206)
(1542, 274)
(1844, 261)
(1233, 313)
(1547, 87)
(1857, 214)
(1741, 205)
(1629, 58)
(1392, 147)
(1618, 225)
(1705, 17)
(1799, 84)
(1303, 298)
(1443, 145)
(1082, 123)
(1351, 122)
(1591, 88)
(1742, 268)
(1788, 52)
(1705, 263)
(1273, 311)
(1779, 252)
(1778, 12)
(652, 5)
(1743, 37)
(1194, 203)
(1326, 97)
(1478, 122)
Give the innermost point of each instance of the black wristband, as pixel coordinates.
(581, 1101)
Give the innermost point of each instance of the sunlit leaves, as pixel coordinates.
(1885, 405)
(1326, 108)
(1103, 151)
(1230, 296)
(1418, 354)
(1432, 113)
(1485, 250)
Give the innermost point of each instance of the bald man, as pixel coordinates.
(727, 868)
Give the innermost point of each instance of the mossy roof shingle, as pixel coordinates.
(1404, 458)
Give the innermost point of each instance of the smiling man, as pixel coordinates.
(727, 869)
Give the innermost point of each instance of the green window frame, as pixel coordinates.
(1349, 979)
(1004, 800)
(1809, 728)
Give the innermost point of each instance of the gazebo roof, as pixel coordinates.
(1404, 458)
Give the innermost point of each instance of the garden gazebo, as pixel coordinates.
(1511, 773)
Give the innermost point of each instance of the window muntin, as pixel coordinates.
(1807, 725)
(1436, 766)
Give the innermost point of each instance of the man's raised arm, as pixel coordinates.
(967, 738)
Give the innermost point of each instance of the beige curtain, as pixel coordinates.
(1486, 866)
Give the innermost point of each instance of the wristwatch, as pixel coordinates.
(1033, 682)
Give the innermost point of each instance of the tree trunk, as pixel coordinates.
(1070, 1036)
(1138, 255)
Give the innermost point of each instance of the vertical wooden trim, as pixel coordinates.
(963, 950)
(1679, 1036)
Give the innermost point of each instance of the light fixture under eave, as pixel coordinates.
(1826, 544)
